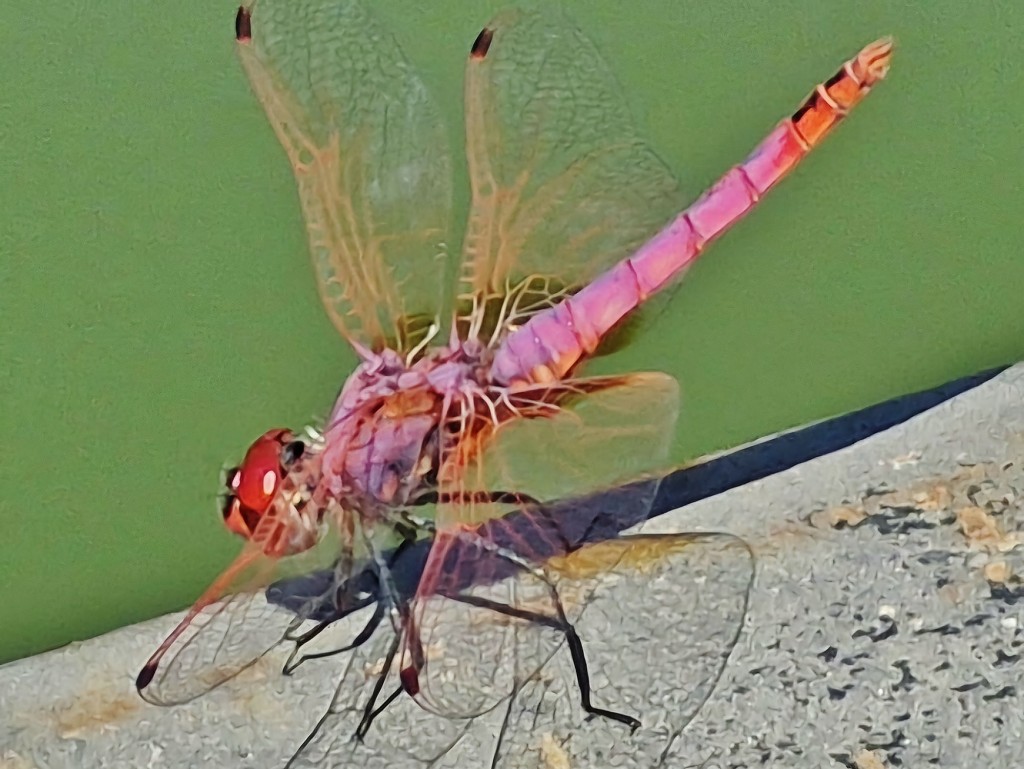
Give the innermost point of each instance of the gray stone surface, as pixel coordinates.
(884, 629)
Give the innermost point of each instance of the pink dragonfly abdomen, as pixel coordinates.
(548, 345)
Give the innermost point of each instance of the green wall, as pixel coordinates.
(157, 311)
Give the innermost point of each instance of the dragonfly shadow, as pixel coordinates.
(598, 517)
(586, 519)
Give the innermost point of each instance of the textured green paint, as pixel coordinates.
(157, 311)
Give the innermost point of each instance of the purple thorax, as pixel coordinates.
(381, 435)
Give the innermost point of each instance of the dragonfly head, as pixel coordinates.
(252, 485)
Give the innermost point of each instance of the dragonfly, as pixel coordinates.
(468, 425)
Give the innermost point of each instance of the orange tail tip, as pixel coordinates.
(872, 63)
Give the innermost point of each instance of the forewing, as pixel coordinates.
(370, 157)
(485, 603)
(230, 627)
(562, 184)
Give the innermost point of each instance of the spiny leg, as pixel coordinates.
(370, 710)
(362, 637)
(361, 730)
(408, 538)
(476, 497)
(579, 660)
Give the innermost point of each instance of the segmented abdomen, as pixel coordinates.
(547, 346)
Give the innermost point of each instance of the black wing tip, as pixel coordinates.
(145, 677)
(243, 24)
(482, 43)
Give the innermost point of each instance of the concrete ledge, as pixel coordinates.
(884, 625)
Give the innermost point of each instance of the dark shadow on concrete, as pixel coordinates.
(605, 514)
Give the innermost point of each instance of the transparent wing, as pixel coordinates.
(562, 185)
(370, 157)
(489, 556)
(562, 440)
(662, 616)
(233, 624)
(686, 597)
(401, 735)
(229, 628)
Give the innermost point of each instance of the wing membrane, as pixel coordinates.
(370, 158)
(530, 611)
(562, 185)
(662, 616)
(230, 627)
(399, 737)
(489, 555)
(233, 624)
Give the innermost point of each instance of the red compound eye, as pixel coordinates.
(252, 485)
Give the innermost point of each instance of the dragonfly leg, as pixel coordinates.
(406, 528)
(371, 710)
(479, 497)
(572, 638)
(301, 641)
(408, 538)
(362, 637)
(364, 725)
(579, 664)
(408, 525)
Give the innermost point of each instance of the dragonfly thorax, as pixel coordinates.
(385, 439)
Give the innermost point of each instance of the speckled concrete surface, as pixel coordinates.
(884, 629)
